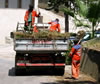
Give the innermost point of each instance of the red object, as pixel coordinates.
(75, 70)
(76, 55)
(76, 52)
(54, 26)
(38, 64)
(35, 29)
(21, 64)
(34, 14)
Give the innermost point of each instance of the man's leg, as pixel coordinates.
(35, 29)
(25, 27)
(75, 70)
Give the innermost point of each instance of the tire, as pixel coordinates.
(17, 71)
(59, 71)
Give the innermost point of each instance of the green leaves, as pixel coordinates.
(83, 9)
(67, 11)
(80, 23)
(94, 12)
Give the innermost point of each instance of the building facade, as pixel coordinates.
(19, 3)
(15, 3)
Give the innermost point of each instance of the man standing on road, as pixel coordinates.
(29, 17)
(55, 26)
(76, 55)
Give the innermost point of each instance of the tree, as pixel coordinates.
(89, 10)
(56, 4)
(92, 14)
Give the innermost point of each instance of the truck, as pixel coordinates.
(37, 54)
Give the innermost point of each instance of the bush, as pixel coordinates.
(68, 58)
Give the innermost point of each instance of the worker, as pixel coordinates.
(75, 53)
(55, 26)
(29, 17)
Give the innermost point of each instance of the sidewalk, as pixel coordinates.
(66, 79)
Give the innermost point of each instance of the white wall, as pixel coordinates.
(2, 3)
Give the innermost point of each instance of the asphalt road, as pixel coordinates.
(7, 75)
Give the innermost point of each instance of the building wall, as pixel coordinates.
(2, 3)
(25, 3)
(15, 3)
(12, 3)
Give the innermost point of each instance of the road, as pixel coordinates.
(7, 75)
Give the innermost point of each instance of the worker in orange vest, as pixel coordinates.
(29, 17)
(76, 55)
(55, 26)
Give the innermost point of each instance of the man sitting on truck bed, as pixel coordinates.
(55, 26)
(29, 17)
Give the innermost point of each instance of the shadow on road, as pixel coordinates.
(29, 72)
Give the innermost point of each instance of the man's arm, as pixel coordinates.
(49, 22)
(72, 52)
(37, 15)
(25, 17)
(58, 27)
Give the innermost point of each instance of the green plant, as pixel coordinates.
(68, 58)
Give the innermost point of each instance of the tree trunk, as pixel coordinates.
(92, 30)
(66, 19)
(66, 23)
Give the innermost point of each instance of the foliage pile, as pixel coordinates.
(92, 44)
(41, 35)
(80, 34)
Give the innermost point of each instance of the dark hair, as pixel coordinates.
(57, 19)
(76, 41)
(30, 6)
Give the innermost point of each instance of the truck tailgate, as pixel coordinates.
(40, 45)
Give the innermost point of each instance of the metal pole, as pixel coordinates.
(36, 8)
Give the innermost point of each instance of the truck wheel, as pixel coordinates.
(62, 72)
(59, 71)
(17, 71)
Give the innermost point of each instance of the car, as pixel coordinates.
(86, 37)
(97, 34)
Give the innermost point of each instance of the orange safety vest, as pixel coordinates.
(26, 17)
(54, 26)
(76, 52)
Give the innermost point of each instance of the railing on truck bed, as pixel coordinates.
(20, 26)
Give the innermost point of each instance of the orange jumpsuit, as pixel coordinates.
(76, 55)
(54, 26)
(34, 14)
